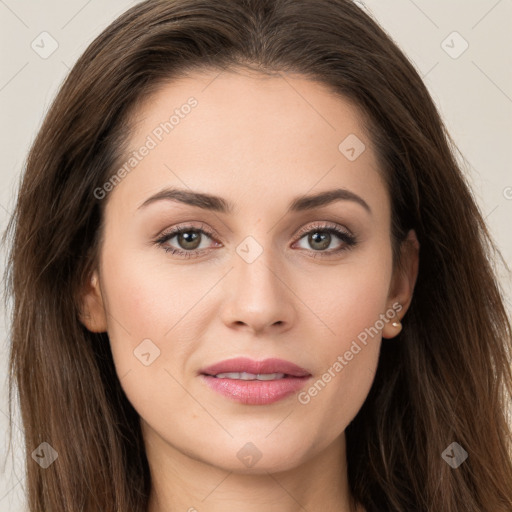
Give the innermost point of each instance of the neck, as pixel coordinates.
(185, 484)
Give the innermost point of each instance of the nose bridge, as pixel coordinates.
(257, 294)
(257, 268)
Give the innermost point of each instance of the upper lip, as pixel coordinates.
(244, 364)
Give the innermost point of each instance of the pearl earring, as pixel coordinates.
(397, 325)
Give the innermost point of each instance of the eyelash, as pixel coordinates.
(349, 240)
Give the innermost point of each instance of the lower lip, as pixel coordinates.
(256, 392)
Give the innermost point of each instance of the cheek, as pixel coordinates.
(354, 308)
(146, 309)
(148, 300)
(351, 298)
(150, 308)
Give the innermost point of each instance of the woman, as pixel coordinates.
(248, 274)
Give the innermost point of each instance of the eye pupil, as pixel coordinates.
(189, 237)
(317, 237)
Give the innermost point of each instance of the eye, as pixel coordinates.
(319, 237)
(189, 238)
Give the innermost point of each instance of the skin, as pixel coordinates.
(258, 142)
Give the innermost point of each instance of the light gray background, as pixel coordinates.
(472, 91)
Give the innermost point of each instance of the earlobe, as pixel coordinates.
(92, 312)
(403, 282)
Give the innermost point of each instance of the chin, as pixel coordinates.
(258, 454)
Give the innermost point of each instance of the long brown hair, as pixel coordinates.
(446, 378)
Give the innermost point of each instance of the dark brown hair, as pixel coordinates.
(446, 378)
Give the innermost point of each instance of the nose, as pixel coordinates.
(257, 295)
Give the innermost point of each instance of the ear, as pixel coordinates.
(402, 282)
(93, 314)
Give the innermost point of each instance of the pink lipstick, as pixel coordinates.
(255, 382)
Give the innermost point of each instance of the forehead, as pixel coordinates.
(251, 134)
(251, 106)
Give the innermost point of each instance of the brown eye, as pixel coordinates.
(188, 240)
(320, 237)
(319, 241)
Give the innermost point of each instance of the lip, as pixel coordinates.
(255, 392)
(244, 364)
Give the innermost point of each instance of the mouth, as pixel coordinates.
(253, 382)
(250, 376)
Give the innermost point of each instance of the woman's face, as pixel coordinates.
(276, 273)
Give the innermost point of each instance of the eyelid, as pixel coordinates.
(211, 232)
(325, 224)
(349, 240)
(186, 226)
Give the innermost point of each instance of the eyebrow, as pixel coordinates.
(221, 205)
